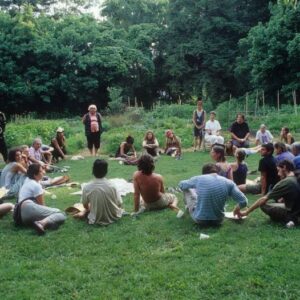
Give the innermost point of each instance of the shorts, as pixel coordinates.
(254, 188)
(198, 132)
(93, 139)
(164, 201)
(245, 144)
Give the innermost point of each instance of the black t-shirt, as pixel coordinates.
(268, 165)
(240, 130)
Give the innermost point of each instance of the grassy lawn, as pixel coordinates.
(154, 256)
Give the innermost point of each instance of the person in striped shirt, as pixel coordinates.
(205, 196)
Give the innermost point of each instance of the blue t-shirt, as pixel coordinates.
(296, 162)
(284, 155)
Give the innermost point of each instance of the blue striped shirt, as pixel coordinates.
(212, 192)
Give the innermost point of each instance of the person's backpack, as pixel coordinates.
(17, 212)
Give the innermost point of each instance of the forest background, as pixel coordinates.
(60, 59)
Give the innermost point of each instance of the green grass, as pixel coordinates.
(155, 256)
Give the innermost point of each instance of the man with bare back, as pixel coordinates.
(150, 187)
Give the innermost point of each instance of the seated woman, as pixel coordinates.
(286, 137)
(173, 144)
(12, 176)
(150, 143)
(33, 209)
(126, 152)
(263, 136)
(230, 149)
(58, 143)
(213, 130)
(239, 167)
(217, 153)
(38, 155)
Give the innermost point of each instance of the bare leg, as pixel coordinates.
(5, 208)
(242, 188)
(91, 151)
(96, 150)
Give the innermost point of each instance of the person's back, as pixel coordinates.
(100, 197)
(150, 185)
(7, 175)
(104, 201)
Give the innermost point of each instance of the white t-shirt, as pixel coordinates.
(265, 137)
(30, 188)
(213, 126)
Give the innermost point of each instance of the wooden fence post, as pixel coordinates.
(256, 103)
(263, 98)
(295, 102)
(278, 101)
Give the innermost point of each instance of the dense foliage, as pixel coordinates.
(146, 50)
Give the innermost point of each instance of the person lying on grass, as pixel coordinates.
(33, 209)
(149, 191)
(100, 198)
(205, 196)
(286, 193)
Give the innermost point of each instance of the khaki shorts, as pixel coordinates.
(254, 188)
(164, 201)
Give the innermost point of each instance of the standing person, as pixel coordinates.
(58, 143)
(173, 144)
(282, 152)
(240, 132)
(100, 198)
(286, 193)
(217, 153)
(268, 173)
(3, 147)
(93, 127)
(207, 205)
(33, 209)
(199, 116)
(13, 174)
(213, 130)
(286, 137)
(263, 136)
(150, 187)
(150, 143)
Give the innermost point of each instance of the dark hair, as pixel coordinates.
(269, 147)
(130, 140)
(100, 167)
(286, 129)
(209, 168)
(279, 145)
(199, 98)
(229, 148)
(240, 155)
(287, 164)
(146, 164)
(146, 136)
(33, 170)
(12, 154)
(219, 149)
(296, 147)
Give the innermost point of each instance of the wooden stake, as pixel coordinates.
(256, 103)
(246, 105)
(295, 102)
(263, 98)
(278, 101)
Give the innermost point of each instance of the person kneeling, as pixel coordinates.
(33, 209)
(150, 187)
(100, 198)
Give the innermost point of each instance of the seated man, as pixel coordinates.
(206, 204)
(263, 136)
(212, 130)
(150, 187)
(100, 198)
(240, 132)
(287, 195)
(58, 143)
(37, 155)
(282, 152)
(268, 173)
(296, 152)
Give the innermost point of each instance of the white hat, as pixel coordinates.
(59, 129)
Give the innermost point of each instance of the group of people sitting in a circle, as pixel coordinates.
(204, 195)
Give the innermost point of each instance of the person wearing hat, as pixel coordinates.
(263, 136)
(58, 143)
(93, 125)
(173, 144)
